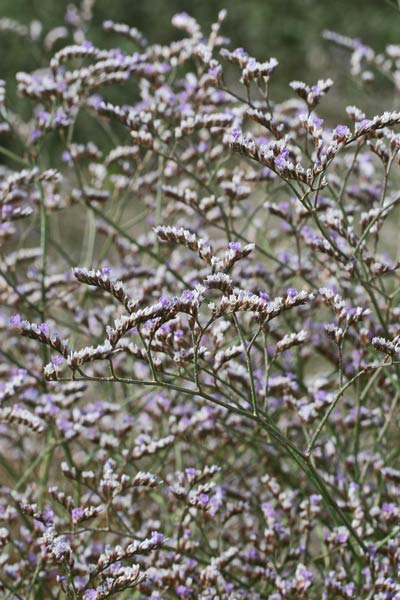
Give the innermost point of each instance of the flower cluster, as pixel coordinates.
(200, 325)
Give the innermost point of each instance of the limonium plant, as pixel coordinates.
(200, 325)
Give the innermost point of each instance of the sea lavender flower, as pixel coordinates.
(225, 389)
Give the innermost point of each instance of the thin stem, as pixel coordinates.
(333, 404)
(249, 365)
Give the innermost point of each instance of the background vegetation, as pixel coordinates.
(290, 30)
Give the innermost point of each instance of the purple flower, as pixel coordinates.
(36, 134)
(77, 514)
(157, 537)
(341, 131)
(47, 515)
(203, 147)
(64, 424)
(240, 53)
(183, 591)
(215, 71)
(43, 116)
(235, 246)
(236, 133)
(264, 296)
(66, 156)
(57, 360)
(317, 121)
(341, 535)
(60, 118)
(280, 162)
(44, 329)
(95, 100)
(60, 547)
(203, 498)
(291, 292)
(15, 320)
(164, 68)
(164, 301)
(187, 296)
(363, 124)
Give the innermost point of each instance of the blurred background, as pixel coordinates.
(290, 30)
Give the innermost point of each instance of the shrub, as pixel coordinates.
(200, 330)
